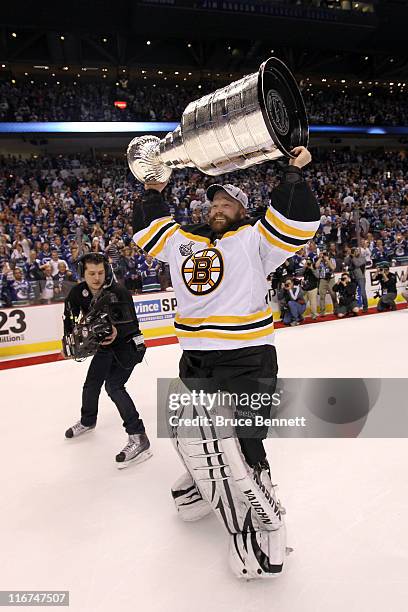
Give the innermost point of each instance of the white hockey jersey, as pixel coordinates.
(220, 284)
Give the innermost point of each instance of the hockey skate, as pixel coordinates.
(136, 450)
(78, 429)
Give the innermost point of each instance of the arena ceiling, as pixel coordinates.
(205, 35)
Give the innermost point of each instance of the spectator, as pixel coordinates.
(5, 297)
(63, 281)
(366, 253)
(149, 271)
(34, 275)
(47, 285)
(55, 261)
(19, 287)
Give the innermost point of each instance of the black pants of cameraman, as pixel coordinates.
(112, 366)
(244, 370)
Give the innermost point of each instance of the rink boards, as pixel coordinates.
(36, 329)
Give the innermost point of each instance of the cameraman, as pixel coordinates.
(310, 285)
(326, 266)
(292, 302)
(356, 263)
(388, 282)
(114, 360)
(346, 288)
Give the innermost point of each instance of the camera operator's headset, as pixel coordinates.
(96, 258)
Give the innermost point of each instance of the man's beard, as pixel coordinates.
(221, 224)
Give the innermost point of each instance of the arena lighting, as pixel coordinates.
(148, 42)
(42, 67)
(104, 40)
(120, 104)
(14, 35)
(62, 37)
(3, 65)
(81, 127)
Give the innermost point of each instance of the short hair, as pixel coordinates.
(94, 258)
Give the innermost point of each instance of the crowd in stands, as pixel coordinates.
(24, 101)
(53, 209)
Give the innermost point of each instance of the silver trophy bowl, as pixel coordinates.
(259, 118)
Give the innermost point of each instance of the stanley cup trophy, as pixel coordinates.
(261, 117)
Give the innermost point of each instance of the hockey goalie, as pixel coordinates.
(226, 332)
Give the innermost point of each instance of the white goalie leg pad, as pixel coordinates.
(243, 503)
(261, 497)
(189, 502)
(258, 554)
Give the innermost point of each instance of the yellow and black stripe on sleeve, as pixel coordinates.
(153, 238)
(286, 234)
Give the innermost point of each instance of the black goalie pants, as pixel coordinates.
(246, 372)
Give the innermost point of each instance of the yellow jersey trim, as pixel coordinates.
(278, 243)
(234, 232)
(159, 246)
(157, 225)
(195, 237)
(288, 229)
(225, 319)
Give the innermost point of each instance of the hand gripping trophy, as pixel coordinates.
(218, 271)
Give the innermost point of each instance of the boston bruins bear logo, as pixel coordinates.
(202, 272)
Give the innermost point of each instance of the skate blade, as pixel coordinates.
(139, 459)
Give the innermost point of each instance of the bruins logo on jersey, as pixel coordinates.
(202, 272)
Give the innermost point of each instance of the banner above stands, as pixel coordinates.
(36, 329)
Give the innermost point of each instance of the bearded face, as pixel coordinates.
(224, 213)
